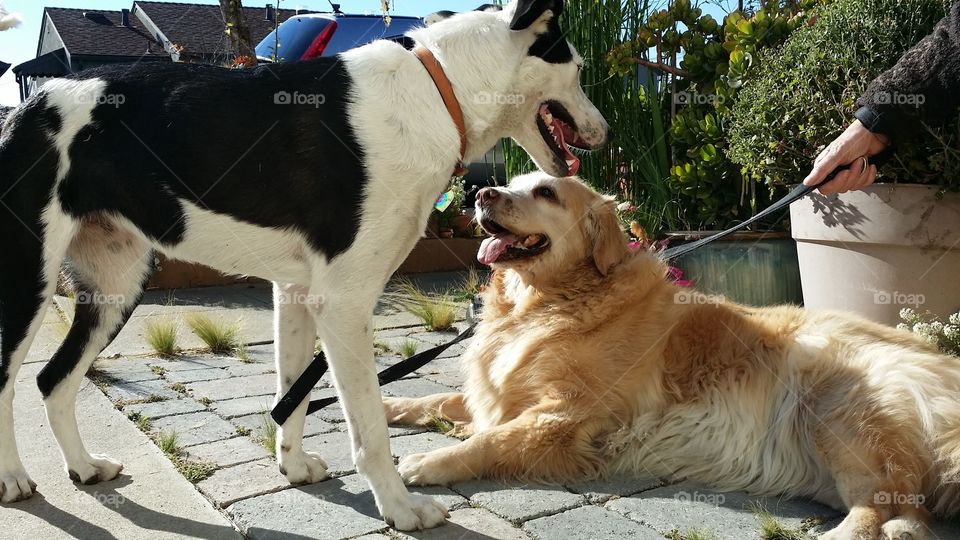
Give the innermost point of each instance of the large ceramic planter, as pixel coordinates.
(879, 250)
(758, 269)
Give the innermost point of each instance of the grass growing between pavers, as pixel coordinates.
(219, 336)
(408, 348)
(168, 441)
(437, 311)
(439, 424)
(690, 534)
(268, 437)
(161, 335)
(772, 529)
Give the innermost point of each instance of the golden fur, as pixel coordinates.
(587, 362)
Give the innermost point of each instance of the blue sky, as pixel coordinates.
(20, 44)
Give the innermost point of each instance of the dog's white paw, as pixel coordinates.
(418, 470)
(302, 467)
(16, 485)
(901, 528)
(98, 468)
(414, 512)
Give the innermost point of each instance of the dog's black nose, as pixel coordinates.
(487, 195)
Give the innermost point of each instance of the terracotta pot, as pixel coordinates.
(758, 269)
(879, 250)
(463, 226)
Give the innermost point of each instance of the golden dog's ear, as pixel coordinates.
(608, 241)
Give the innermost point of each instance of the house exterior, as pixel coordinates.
(72, 40)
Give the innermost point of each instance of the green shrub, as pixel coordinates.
(717, 59)
(804, 94)
(636, 166)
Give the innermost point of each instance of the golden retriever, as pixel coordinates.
(588, 362)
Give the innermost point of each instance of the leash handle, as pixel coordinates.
(795, 194)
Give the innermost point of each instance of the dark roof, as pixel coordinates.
(100, 33)
(4, 67)
(199, 28)
(52, 64)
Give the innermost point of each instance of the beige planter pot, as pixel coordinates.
(879, 250)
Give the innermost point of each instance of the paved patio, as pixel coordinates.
(217, 405)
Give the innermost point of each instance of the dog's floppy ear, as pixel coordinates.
(609, 244)
(530, 11)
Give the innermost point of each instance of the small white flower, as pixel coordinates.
(624, 206)
(903, 326)
(906, 314)
(955, 319)
(952, 331)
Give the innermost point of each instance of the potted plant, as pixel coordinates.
(884, 248)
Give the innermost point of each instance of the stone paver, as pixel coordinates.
(229, 452)
(472, 524)
(195, 428)
(236, 387)
(519, 503)
(590, 522)
(730, 516)
(135, 391)
(232, 484)
(599, 491)
(417, 387)
(161, 409)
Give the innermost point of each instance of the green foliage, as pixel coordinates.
(219, 336)
(803, 95)
(717, 59)
(161, 335)
(408, 348)
(636, 166)
(268, 435)
(458, 194)
(945, 335)
(437, 311)
(167, 441)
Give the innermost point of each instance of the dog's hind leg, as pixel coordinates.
(296, 335)
(345, 325)
(28, 277)
(111, 265)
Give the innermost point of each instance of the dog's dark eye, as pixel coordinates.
(546, 193)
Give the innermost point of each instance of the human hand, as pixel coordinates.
(853, 147)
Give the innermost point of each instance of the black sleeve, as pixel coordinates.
(923, 85)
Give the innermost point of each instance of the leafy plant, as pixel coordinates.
(636, 166)
(219, 336)
(946, 336)
(194, 471)
(717, 59)
(457, 195)
(468, 287)
(161, 335)
(803, 95)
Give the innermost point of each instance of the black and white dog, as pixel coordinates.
(319, 176)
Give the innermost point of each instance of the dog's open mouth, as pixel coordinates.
(503, 245)
(560, 132)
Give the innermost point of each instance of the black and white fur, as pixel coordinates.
(201, 164)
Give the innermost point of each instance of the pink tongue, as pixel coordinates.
(494, 246)
(558, 135)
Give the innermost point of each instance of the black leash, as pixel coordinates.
(796, 194)
(301, 389)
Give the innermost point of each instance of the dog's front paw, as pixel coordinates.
(302, 467)
(414, 512)
(423, 470)
(15, 485)
(97, 468)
